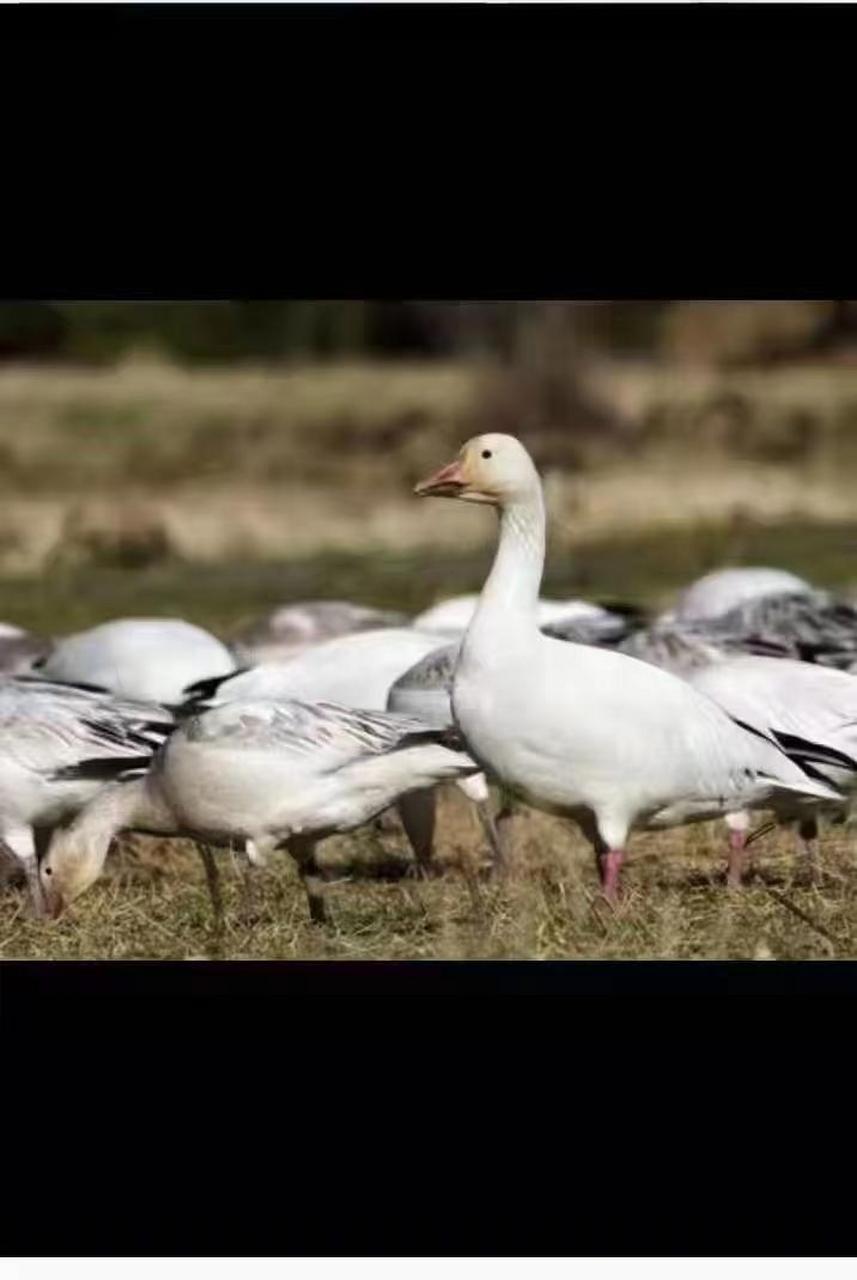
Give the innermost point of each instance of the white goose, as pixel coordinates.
(456, 613)
(59, 746)
(152, 659)
(295, 627)
(268, 774)
(586, 732)
(355, 669)
(809, 711)
(721, 590)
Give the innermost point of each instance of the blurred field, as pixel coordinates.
(152, 903)
(144, 462)
(645, 568)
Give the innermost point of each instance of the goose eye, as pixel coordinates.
(49, 871)
(486, 453)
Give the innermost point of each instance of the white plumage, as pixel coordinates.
(586, 732)
(59, 746)
(809, 711)
(265, 773)
(153, 659)
(456, 613)
(356, 670)
(724, 589)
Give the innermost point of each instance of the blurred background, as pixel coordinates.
(213, 459)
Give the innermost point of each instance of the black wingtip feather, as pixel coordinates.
(449, 737)
(201, 690)
(818, 753)
(102, 769)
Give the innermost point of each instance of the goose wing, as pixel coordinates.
(809, 711)
(62, 739)
(811, 627)
(333, 736)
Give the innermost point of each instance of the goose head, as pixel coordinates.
(72, 863)
(492, 468)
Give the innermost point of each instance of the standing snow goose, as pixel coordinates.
(425, 690)
(295, 627)
(151, 659)
(809, 711)
(586, 732)
(59, 746)
(356, 670)
(270, 774)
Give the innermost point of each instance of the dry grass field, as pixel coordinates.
(152, 902)
(217, 495)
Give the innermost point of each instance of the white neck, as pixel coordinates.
(510, 597)
(123, 806)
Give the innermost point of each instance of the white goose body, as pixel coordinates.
(151, 659)
(266, 773)
(256, 767)
(357, 670)
(596, 735)
(591, 731)
(724, 589)
(59, 747)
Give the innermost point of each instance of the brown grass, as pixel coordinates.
(145, 461)
(152, 902)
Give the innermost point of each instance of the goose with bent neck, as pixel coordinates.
(588, 733)
(122, 806)
(268, 774)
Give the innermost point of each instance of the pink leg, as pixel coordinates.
(737, 841)
(611, 861)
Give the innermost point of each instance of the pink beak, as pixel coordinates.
(446, 483)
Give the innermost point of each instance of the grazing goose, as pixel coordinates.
(296, 627)
(269, 774)
(151, 659)
(58, 748)
(19, 649)
(357, 670)
(580, 731)
(724, 589)
(809, 711)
